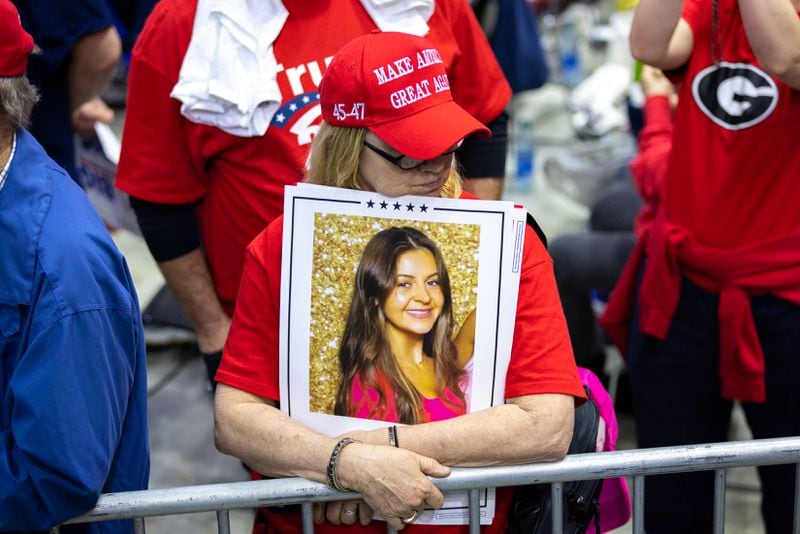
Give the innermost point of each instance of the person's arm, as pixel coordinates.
(172, 234)
(93, 61)
(465, 340)
(773, 30)
(479, 86)
(533, 428)
(92, 64)
(190, 280)
(655, 139)
(71, 389)
(659, 36)
(483, 161)
(392, 481)
(165, 177)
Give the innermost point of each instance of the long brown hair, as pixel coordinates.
(365, 351)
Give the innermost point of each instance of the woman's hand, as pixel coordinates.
(393, 482)
(88, 113)
(343, 512)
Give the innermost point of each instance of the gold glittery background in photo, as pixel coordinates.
(339, 241)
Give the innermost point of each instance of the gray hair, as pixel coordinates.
(17, 98)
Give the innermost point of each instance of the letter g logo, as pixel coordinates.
(735, 95)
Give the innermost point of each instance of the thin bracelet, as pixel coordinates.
(393, 441)
(333, 480)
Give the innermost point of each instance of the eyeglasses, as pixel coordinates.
(404, 162)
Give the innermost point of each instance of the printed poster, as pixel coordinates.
(460, 277)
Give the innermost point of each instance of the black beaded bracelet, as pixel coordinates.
(333, 481)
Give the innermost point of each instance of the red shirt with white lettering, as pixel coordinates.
(167, 159)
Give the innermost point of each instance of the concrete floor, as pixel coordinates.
(180, 410)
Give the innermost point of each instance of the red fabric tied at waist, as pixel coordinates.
(768, 267)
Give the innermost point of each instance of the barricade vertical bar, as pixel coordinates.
(557, 493)
(474, 511)
(307, 513)
(638, 504)
(720, 476)
(797, 501)
(223, 522)
(138, 525)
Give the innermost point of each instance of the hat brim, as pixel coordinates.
(431, 131)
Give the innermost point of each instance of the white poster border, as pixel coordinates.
(502, 230)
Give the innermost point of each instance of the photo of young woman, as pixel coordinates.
(398, 359)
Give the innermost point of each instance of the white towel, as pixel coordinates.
(408, 16)
(228, 78)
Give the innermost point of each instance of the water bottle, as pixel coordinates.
(570, 67)
(524, 156)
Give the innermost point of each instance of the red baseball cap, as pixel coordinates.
(396, 85)
(16, 44)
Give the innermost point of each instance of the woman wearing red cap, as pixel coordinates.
(390, 127)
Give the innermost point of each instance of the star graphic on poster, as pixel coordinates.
(384, 204)
(423, 208)
(370, 204)
(409, 207)
(396, 206)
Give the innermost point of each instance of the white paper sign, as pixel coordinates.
(325, 232)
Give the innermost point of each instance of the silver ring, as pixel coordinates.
(350, 511)
(409, 520)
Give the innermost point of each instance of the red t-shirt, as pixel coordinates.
(541, 354)
(167, 159)
(733, 174)
(730, 221)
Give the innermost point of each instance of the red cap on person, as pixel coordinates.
(16, 44)
(396, 85)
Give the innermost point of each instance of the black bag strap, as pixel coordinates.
(536, 228)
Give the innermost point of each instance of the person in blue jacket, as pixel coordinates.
(73, 392)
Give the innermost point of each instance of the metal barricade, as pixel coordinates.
(637, 463)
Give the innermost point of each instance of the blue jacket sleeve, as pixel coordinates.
(69, 393)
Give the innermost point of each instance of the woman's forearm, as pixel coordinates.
(393, 482)
(527, 429)
(266, 439)
(773, 30)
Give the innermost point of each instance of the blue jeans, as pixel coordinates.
(677, 401)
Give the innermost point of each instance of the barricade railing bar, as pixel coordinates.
(637, 463)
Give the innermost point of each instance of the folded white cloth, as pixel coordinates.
(408, 16)
(228, 78)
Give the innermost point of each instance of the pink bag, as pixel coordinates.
(615, 500)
